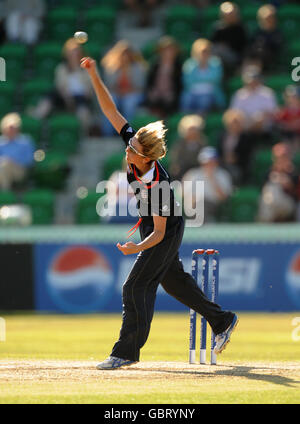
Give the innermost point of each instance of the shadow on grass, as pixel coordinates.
(250, 372)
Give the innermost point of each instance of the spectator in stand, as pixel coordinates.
(278, 202)
(266, 44)
(237, 145)
(24, 20)
(124, 75)
(72, 88)
(184, 153)
(229, 36)
(257, 101)
(202, 80)
(288, 116)
(164, 80)
(16, 152)
(217, 185)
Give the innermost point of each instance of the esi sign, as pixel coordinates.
(239, 275)
(88, 278)
(77, 279)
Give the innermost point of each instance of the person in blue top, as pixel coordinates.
(202, 80)
(16, 151)
(161, 229)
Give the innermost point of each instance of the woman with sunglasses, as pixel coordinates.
(161, 229)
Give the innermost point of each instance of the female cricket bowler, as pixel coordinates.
(161, 233)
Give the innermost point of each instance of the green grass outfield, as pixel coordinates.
(52, 358)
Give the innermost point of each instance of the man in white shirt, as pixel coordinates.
(217, 184)
(255, 100)
(24, 20)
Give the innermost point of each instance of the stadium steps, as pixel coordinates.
(126, 29)
(86, 172)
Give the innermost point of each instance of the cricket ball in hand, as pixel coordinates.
(81, 37)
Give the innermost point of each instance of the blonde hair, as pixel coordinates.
(111, 62)
(11, 119)
(71, 44)
(152, 139)
(228, 7)
(198, 46)
(189, 121)
(167, 41)
(266, 11)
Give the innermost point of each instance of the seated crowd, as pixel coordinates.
(193, 86)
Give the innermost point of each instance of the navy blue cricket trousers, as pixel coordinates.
(160, 265)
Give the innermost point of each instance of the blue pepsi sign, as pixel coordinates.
(85, 278)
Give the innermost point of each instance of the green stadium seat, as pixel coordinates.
(7, 94)
(289, 15)
(64, 133)
(181, 31)
(278, 83)
(100, 23)
(113, 163)
(185, 47)
(252, 26)
(249, 12)
(290, 30)
(15, 56)
(213, 121)
(209, 16)
(85, 211)
(7, 198)
(62, 23)
(262, 162)
(242, 206)
(149, 50)
(34, 90)
(52, 171)
(289, 11)
(296, 160)
(32, 127)
(47, 56)
(181, 21)
(233, 84)
(41, 203)
(213, 137)
(213, 128)
(210, 13)
(140, 120)
(94, 50)
(293, 50)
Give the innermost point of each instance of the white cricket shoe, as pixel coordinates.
(222, 339)
(112, 363)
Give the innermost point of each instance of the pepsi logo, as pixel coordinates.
(80, 279)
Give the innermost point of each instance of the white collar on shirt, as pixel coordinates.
(146, 178)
